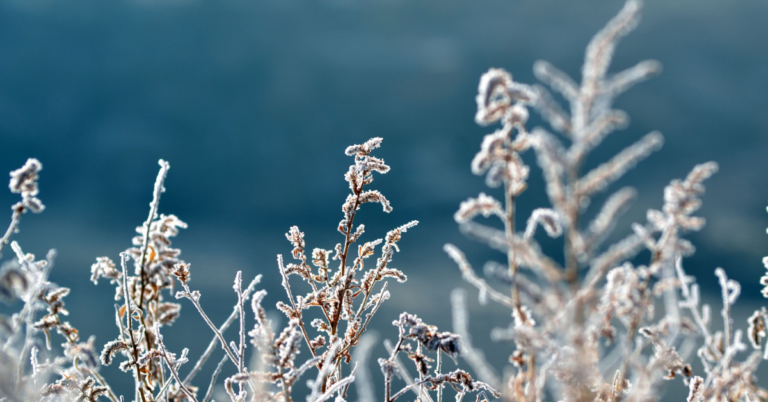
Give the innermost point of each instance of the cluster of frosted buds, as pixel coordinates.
(296, 237)
(358, 176)
(24, 181)
(84, 390)
(104, 267)
(500, 98)
(462, 382)
(28, 281)
(339, 294)
(428, 335)
(622, 293)
(83, 353)
(665, 356)
(681, 199)
(53, 299)
(160, 258)
(497, 96)
(387, 251)
(161, 263)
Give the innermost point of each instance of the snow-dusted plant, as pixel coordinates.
(590, 329)
(346, 292)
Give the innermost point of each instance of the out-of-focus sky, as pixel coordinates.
(253, 103)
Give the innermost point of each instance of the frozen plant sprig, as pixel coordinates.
(415, 336)
(26, 364)
(144, 308)
(24, 182)
(726, 378)
(338, 293)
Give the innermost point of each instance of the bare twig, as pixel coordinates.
(209, 393)
(212, 344)
(194, 298)
(170, 364)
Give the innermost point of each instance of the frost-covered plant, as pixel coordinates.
(346, 294)
(563, 315)
(26, 360)
(336, 292)
(414, 337)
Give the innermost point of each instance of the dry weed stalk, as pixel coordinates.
(563, 314)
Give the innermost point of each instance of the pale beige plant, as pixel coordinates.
(564, 315)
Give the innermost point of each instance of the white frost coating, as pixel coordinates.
(606, 219)
(482, 205)
(548, 219)
(628, 78)
(556, 79)
(492, 96)
(599, 178)
(601, 47)
(24, 179)
(159, 189)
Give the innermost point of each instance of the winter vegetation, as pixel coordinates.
(594, 323)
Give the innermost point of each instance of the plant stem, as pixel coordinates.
(128, 313)
(15, 219)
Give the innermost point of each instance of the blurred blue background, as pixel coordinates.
(253, 103)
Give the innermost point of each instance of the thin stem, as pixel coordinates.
(128, 313)
(286, 397)
(571, 261)
(28, 312)
(631, 331)
(164, 166)
(689, 302)
(509, 227)
(153, 206)
(215, 375)
(409, 387)
(211, 345)
(173, 371)
(439, 366)
(240, 303)
(287, 287)
(161, 394)
(368, 319)
(388, 376)
(335, 319)
(29, 308)
(15, 219)
(215, 330)
(348, 230)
